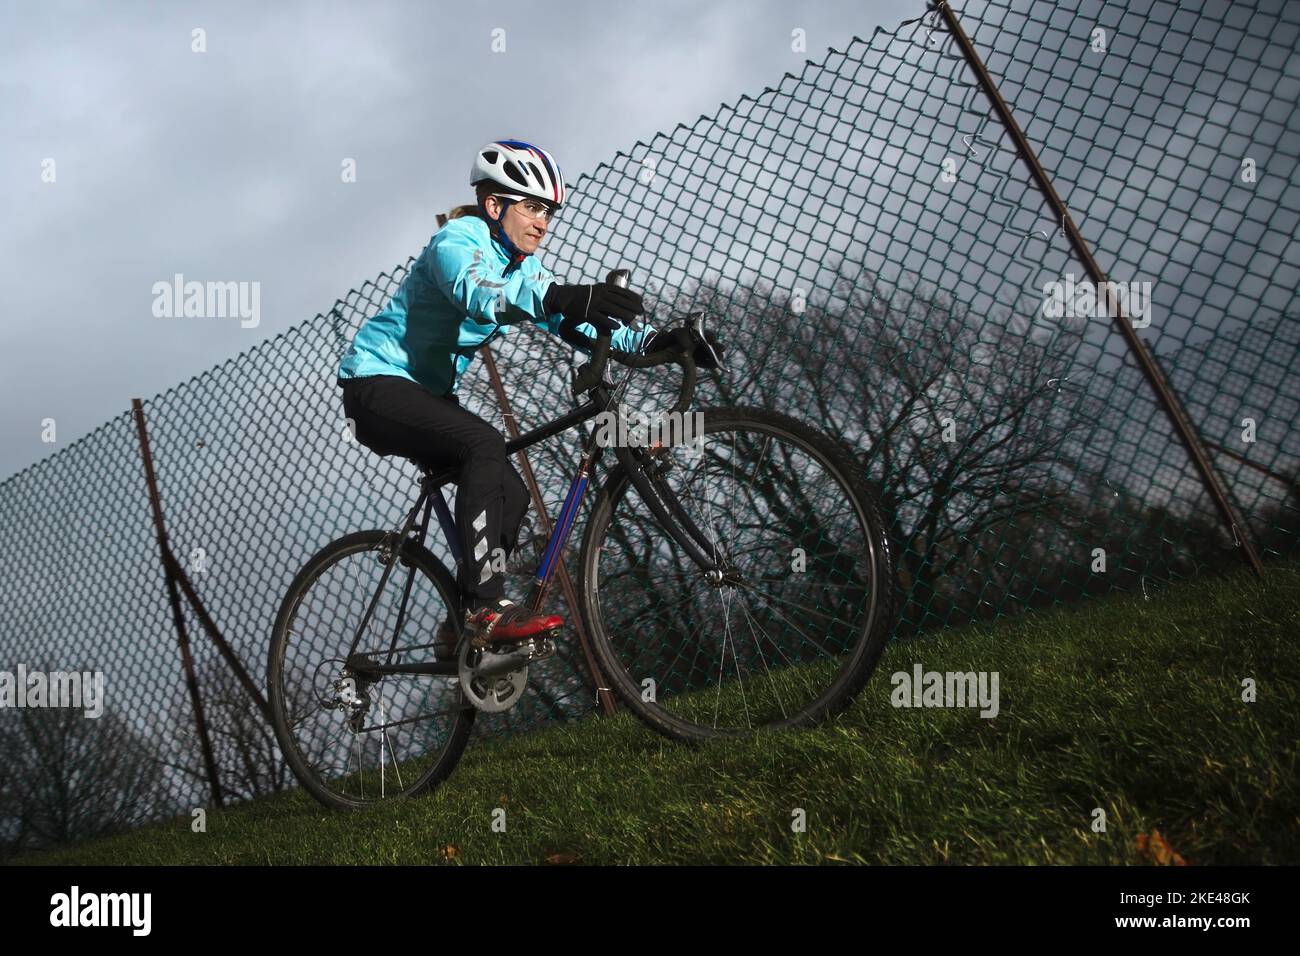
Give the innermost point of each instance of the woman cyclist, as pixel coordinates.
(476, 278)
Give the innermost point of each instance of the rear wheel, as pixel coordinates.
(789, 624)
(352, 735)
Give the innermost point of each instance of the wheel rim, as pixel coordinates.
(355, 736)
(781, 636)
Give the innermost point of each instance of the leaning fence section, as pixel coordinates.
(871, 246)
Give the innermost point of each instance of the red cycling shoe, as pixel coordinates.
(506, 622)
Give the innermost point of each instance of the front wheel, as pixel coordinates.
(787, 625)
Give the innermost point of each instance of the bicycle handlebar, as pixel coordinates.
(593, 373)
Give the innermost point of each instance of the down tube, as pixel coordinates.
(560, 536)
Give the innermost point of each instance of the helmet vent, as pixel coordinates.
(491, 156)
(512, 170)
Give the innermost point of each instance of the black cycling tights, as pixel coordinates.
(395, 416)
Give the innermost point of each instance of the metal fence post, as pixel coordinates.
(187, 661)
(1146, 360)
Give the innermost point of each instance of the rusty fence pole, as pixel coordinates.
(566, 584)
(187, 588)
(187, 661)
(1146, 360)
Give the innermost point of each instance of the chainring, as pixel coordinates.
(493, 694)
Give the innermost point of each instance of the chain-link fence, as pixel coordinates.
(880, 262)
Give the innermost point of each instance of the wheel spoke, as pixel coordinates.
(773, 608)
(726, 630)
(758, 645)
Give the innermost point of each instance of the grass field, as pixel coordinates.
(1128, 705)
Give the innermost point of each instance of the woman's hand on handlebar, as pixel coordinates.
(603, 306)
(681, 340)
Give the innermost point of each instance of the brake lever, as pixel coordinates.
(695, 324)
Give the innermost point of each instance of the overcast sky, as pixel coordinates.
(226, 164)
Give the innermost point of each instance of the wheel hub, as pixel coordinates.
(724, 577)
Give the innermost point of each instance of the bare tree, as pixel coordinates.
(960, 422)
(67, 777)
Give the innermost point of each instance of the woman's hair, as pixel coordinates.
(481, 192)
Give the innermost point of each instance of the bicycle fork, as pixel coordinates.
(671, 517)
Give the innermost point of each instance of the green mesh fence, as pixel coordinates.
(876, 256)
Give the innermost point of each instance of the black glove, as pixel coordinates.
(681, 340)
(597, 304)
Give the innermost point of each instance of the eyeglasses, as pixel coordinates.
(531, 208)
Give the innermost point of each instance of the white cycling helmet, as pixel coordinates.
(520, 168)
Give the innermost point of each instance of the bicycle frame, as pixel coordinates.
(671, 517)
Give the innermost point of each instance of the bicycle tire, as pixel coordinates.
(413, 557)
(612, 652)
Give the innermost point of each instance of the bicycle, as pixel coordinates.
(751, 589)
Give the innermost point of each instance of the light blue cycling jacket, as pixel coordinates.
(458, 295)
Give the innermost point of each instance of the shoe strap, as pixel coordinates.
(503, 605)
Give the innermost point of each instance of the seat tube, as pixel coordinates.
(448, 523)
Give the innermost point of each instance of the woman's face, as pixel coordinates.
(527, 234)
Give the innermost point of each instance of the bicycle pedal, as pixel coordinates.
(538, 647)
(542, 647)
(499, 647)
